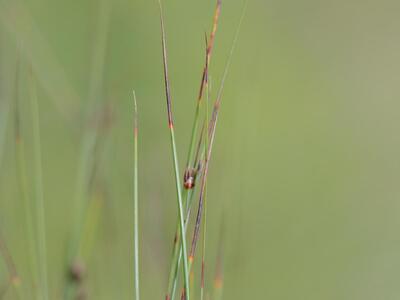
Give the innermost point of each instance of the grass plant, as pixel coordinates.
(24, 192)
(136, 199)
(90, 184)
(191, 164)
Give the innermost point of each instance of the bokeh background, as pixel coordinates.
(305, 172)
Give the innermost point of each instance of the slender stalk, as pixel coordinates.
(178, 255)
(80, 207)
(135, 200)
(23, 188)
(39, 203)
(90, 206)
(205, 196)
(86, 161)
(96, 198)
(4, 113)
(188, 193)
(175, 161)
(5, 102)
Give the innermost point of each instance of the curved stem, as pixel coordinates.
(175, 162)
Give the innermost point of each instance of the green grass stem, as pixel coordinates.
(175, 162)
(136, 200)
(89, 141)
(39, 194)
(203, 266)
(4, 113)
(24, 193)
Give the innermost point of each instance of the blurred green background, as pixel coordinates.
(306, 162)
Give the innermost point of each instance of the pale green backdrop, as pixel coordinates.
(306, 165)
